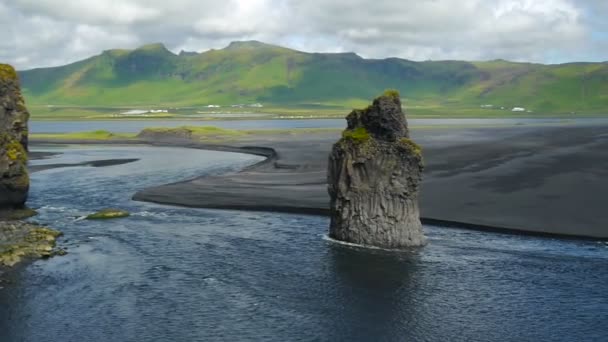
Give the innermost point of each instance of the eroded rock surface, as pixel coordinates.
(373, 176)
(20, 241)
(14, 179)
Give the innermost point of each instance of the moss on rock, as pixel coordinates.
(14, 179)
(7, 72)
(392, 93)
(357, 135)
(20, 241)
(107, 214)
(411, 146)
(373, 176)
(15, 151)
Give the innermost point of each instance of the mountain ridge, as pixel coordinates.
(253, 71)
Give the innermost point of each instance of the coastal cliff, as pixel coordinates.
(14, 179)
(18, 240)
(373, 178)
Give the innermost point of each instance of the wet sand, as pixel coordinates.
(38, 155)
(35, 155)
(541, 180)
(93, 163)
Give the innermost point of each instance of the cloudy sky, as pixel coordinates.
(39, 33)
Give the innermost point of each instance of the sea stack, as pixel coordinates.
(374, 177)
(14, 179)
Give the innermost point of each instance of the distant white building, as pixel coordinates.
(518, 109)
(143, 112)
(136, 112)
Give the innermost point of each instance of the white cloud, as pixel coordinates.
(53, 32)
(439, 29)
(93, 12)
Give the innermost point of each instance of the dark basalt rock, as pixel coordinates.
(384, 119)
(14, 179)
(373, 179)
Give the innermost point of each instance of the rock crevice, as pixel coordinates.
(374, 174)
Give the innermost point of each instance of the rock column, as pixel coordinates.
(374, 179)
(14, 179)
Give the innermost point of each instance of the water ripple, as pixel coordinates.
(181, 274)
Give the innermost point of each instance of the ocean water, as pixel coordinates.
(182, 274)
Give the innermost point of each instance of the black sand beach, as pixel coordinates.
(545, 180)
(529, 179)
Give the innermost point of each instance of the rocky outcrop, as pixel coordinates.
(373, 176)
(108, 214)
(14, 179)
(164, 134)
(21, 241)
(18, 240)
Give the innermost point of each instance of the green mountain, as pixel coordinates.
(250, 72)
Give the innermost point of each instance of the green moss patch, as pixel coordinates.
(107, 214)
(15, 151)
(392, 93)
(7, 72)
(357, 135)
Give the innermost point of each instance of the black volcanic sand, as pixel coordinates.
(94, 163)
(548, 180)
(37, 155)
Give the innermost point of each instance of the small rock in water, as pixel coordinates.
(61, 252)
(107, 214)
(373, 179)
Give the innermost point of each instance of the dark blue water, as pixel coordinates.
(134, 126)
(179, 274)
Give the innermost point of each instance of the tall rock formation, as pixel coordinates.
(14, 179)
(373, 179)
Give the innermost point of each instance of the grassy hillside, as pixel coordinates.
(252, 72)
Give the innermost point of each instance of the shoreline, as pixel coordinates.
(291, 179)
(94, 163)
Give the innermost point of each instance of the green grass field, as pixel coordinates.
(91, 135)
(284, 113)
